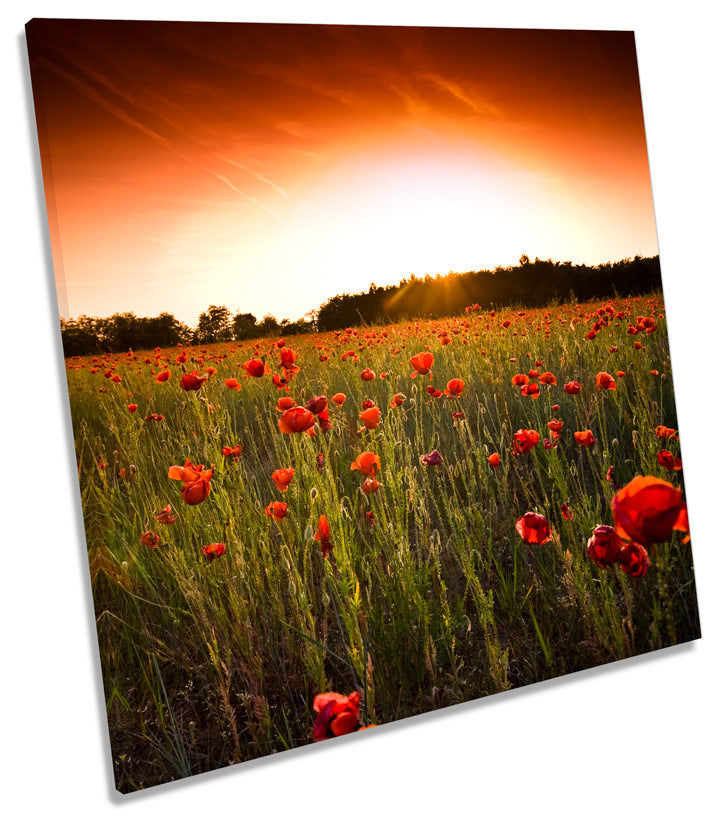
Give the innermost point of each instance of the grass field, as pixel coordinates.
(429, 596)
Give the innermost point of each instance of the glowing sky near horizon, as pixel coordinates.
(269, 167)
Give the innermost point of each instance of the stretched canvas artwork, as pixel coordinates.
(368, 368)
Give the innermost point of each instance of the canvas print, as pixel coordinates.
(368, 367)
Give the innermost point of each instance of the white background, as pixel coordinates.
(639, 737)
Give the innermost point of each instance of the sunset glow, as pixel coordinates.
(270, 167)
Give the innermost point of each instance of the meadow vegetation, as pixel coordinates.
(418, 592)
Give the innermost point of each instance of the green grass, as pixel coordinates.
(439, 602)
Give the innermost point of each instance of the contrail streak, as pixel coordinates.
(122, 115)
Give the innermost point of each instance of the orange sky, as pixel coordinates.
(269, 167)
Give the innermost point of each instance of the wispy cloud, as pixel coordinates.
(257, 175)
(471, 97)
(296, 129)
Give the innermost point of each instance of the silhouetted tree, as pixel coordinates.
(213, 325)
(244, 325)
(80, 336)
(268, 326)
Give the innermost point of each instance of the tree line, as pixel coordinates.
(530, 284)
(87, 335)
(527, 284)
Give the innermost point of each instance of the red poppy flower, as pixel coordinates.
(533, 529)
(287, 360)
(297, 419)
(555, 425)
(604, 546)
(323, 536)
(566, 511)
(232, 451)
(339, 398)
(196, 480)
(572, 387)
(634, 560)
(370, 418)
(397, 400)
(367, 374)
(648, 509)
(336, 715)
(457, 415)
(520, 380)
(213, 550)
(421, 364)
(434, 392)
(668, 460)
(433, 459)
(116, 378)
(585, 437)
(317, 405)
(282, 478)
(165, 516)
(192, 381)
(232, 384)
(605, 381)
(533, 373)
(324, 421)
(132, 408)
(276, 510)
(155, 417)
(367, 403)
(531, 390)
(163, 376)
(150, 539)
(284, 403)
(254, 367)
(524, 440)
(547, 378)
(368, 463)
(494, 460)
(281, 382)
(455, 387)
(320, 462)
(666, 433)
